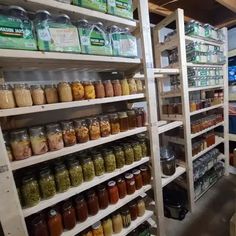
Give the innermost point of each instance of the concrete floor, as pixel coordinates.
(212, 214)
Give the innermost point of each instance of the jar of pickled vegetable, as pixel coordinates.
(77, 90)
(75, 172)
(117, 223)
(38, 140)
(138, 178)
(54, 136)
(97, 229)
(99, 89)
(92, 203)
(143, 144)
(62, 178)
(88, 169)
(125, 87)
(113, 192)
(124, 122)
(115, 124)
(98, 164)
(94, 128)
(65, 92)
(137, 151)
(146, 174)
(108, 88)
(81, 208)
(68, 215)
(89, 90)
(30, 191)
(126, 218)
(107, 227)
(120, 156)
(105, 127)
(103, 197)
(117, 87)
(68, 132)
(38, 95)
(55, 223)
(51, 93)
(139, 84)
(47, 183)
(22, 95)
(130, 183)
(110, 160)
(132, 86)
(81, 130)
(129, 154)
(20, 144)
(141, 207)
(121, 184)
(6, 97)
(132, 119)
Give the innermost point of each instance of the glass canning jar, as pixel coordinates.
(126, 218)
(20, 144)
(64, 92)
(8, 145)
(132, 86)
(98, 164)
(99, 89)
(77, 90)
(125, 87)
(38, 140)
(137, 151)
(107, 227)
(117, 87)
(103, 197)
(146, 174)
(75, 172)
(124, 122)
(129, 153)
(105, 127)
(110, 160)
(138, 178)
(108, 88)
(117, 223)
(39, 227)
(68, 133)
(133, 208)
(51, 93)
(62, 178)
(139, 84)
(68, 215)
(94, 128)
(38, 95)
(55, 223)
(81, 208)
(88, 169)
(82, 130)
(120, 156)
(97, 229)
(54, 136)
(113, 192)
(130, 183)
(141, 207)
(143, 145)
(92, 203)
(89, 90)
(132, 119)
(121, 184)
(139, 117)
(115, 124)
(22, 95)
(6, 97)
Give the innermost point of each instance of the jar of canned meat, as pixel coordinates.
(88, 169)
(125, 87)
(120, 156)
(20, 144)
(62, 178)
(98, 164)
(94, 128)
(124, 122)
(51, 93)
(113, 192)
(110, 160)
(54, 136)
(115, 124)
(6, 97)
(65, 92)
(22, 95)
(75, 172)
(38, 95)
(132, 119)
(108, 88)
(68, 132)
(89, 90)
(130, 183)
(77, 90)
(132, 86)
(99, 89)
(81, 130)
(105, 126)
(117, 87)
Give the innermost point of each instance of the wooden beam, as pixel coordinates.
(230, 4)
(227, 24)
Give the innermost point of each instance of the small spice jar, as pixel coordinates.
(126, 218)
(68, 132)
(77, 90)
(113, 192)
(110, 160)
(38, 140)
(38, 95)
(99, 89)
(117, 87)
(125, 87)
(89, 90)
(81, 208)
(22, 95)
(94, 128)
(55, 223)
(124, 122)
(88, 169)
(62, 178)
(133, 209)
(54, 136)
(137, 151)
(6, 97)
(117, 223)
(141, 207)
(120, 156)
(68, 215)
(105, 127)
(130, 183)
(107, 227)
(132, 119)
(81, 130)
(121, 184)
(138, 179)
(51, 93)
(146, 175)
(129, 153)
(97, 229)
(114, 122)
(47, 183)
(39, 226)
(132, 86)
(20, 144)
(98, 164)
(103, 197)
(65, 92)
(108, 88)
(30, 191)
(75, 172)
(92, 203)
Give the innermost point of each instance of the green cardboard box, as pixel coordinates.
(121, 8)
(98, 5)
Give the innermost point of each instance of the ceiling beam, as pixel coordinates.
(230, 4)
(227, 24)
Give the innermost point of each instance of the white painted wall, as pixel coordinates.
(232, 38)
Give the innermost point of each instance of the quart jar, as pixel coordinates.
(105, 127)
(143, 145)
(120, 156)
(132, 86)
(117, 223)
(129, 153)
(103, 197)
(108, 88)
(6, 97)
(94, 128)
(126, 218)
(38, 140)
(89, 90)
(22, 95)
(132, 119)
(75, 172)
(68, 133)
(121, 184)
(114, 122)
(20, 144)
(137, 151)
(139, 84)
(141, 207)
(97, 229)
(92, 203)
(39, 227)
(77, 90)
(99, 89)
(54, 136)
(81, 208)
(38, 95)
(81, 130)
(47, 183)
(64, 92)
(51, 93)
(62, 178)
(30, 191)
(125, 87)
(88, 169)
(8, 145)
(107, 227)
(68, 215)
(124, 122)
(55, 223)
(138, 179)
(133, 209)
(139, 117)
(110, 160)
(130, 183)
(146, 174)
(98, 164)
(117, 87)
(113, 192)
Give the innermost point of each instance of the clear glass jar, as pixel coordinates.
(81, 130)
(124, 122)
(77, 90)
(92, 203)
(132, 119)
(68, 132)
(132, 86)
(22, 95)
(143, 145)
(81, 208)
(51, 93)
(115, 123)
(107, 227)
(99, 89)
(89, 90)
(117, 223)
(88, 169)
(62, 178)
(6, 97)
(8, 146)
(68, 215)
(141, 208)
(126, 218)
(38, 95)
(137, 151)
(94, 128)
(30, 191)
(55, 223)
(98, 164)
(138, 179)
(65, 92)
(47, 183)
(110, 160)
(117, 87)
(38, 140)
(139, 84)
(108, 88)
(125, 87)
(105, 126)
(129, 154)
(120, 156)
(130, 183)
(113, 192)
(20, 144)
(75, 172)
(54, 136)
(103, 197)
(97, 229)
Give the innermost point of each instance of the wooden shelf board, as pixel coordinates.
(169, 126)
(76, 148)
(232, 137)
(172, 117)
(206, 109)
(168, 45)
(203, 40)
(232, 170)
(190, 64)
(166, 71)
(176, 140)
(232, 53)
(170, 95)
(206, 88)
(66, 105)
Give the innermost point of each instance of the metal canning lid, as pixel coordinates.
(19, 132)
(21, 86)
(87, 159)
(107, 81)
(43, 11)
(16, 8)
(27, 178)
(36, 86)
(5, 87)
(120, 180)
(115, 81)
(64, 17)
(122, 114)
(50, 86)
(44, 172)
(73, 162)
(96, 225)
(125, 212)
(130, 112)
(99, 23)
(143, 168)
(136, 172)
(98, 82)
(113, 115)
(101, 187)
(83, 21)
(52, 213)
(36, 129)
(53, 125)
(67, 124)
(67, 205)
(111, 183)
(60, 167)
(129, 176)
